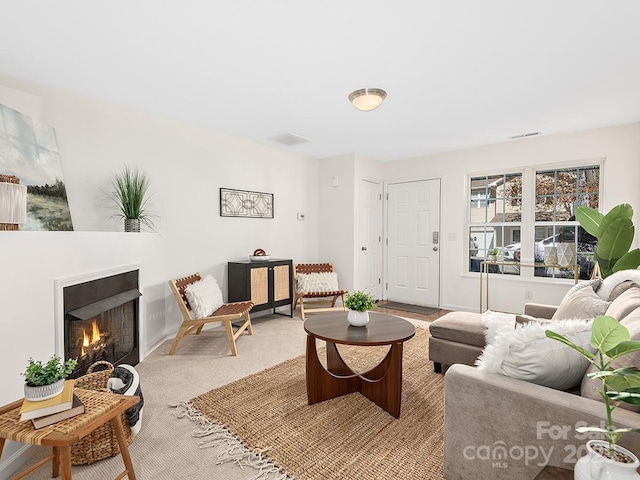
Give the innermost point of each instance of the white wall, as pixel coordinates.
(187, 165)
(619, 146)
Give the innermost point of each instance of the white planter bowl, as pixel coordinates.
(358, 319)
(43, 392)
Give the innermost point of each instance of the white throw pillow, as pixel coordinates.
(526, 353)
(204, 297)
(317, 282)
(495, 321)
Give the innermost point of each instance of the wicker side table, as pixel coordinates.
(100, 408)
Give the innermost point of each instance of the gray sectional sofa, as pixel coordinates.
(497, 427)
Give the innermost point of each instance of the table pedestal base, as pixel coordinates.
(382, 384)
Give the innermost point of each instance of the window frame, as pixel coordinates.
(528, 221)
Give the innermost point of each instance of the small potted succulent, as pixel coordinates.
(44, 381)
(493, 255)
(610, 340)
(359, 303)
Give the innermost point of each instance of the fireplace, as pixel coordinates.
(101, 320)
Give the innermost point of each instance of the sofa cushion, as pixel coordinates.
(526, 353)
(621, 288)
(590, 387)
(625, 303)
(461, 327)
(583, 303)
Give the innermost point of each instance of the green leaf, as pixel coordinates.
(623, 348)
(614, 242)
(629, 261)
(590, 219)
(555, 336)
(607, 333)
(624, 210)
(631, 396)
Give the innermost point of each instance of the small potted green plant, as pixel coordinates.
(43, 381)
(493, 255)
(130, 187)
(611, 340)
(359, 303)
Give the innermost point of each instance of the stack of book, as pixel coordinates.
(47, 412)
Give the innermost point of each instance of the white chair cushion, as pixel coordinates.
(317, 282)
(204, 297)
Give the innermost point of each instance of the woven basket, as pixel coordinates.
(102, 442)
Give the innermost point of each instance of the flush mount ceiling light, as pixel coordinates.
(367, 99)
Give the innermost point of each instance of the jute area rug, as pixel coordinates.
(265, 421)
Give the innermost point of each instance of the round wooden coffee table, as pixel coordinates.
(382, 384)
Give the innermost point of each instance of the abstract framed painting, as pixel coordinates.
(29, 158)
(244, 203)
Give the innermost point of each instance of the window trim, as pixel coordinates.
(527, 221)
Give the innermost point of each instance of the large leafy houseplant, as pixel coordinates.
(130, 188)
(611, 340)
(614, 232)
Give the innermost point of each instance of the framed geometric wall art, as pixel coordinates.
(243, 203)
(29, 158)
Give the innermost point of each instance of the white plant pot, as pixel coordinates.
(358, 319)
(594, 466)
(43, 392)
(566, 254)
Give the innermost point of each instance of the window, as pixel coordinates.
(558, 237)
(494, 221)
(550, 235)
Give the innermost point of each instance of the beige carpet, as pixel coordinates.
(345, 438)
(165, 448)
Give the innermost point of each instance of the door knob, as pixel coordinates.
(363, 248)
(435, 249)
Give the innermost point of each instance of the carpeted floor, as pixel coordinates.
(347, 437)
(165, 448)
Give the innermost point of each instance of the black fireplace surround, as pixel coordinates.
(101, 321)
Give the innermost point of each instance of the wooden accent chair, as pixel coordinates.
(309, 299)
(227, 313)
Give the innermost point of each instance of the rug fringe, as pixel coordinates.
(234, 450)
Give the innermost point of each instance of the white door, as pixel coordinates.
(413, 237)
(370, 238)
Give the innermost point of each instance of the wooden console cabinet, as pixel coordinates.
(267, 284)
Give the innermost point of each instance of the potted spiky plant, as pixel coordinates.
(130, 188)
(610, 340)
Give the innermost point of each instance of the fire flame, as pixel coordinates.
(93, 337)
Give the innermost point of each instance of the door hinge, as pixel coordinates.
(386, 286)
(379, 238)
(379, 281)
(386, 241)
(379, 196)
(387, 196)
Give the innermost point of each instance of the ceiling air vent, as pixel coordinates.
(524, 135)
(289, 139)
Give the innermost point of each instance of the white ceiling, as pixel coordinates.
(458, 73)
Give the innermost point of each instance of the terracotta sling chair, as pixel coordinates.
(227, 313)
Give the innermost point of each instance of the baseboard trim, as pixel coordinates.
(12, 464)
